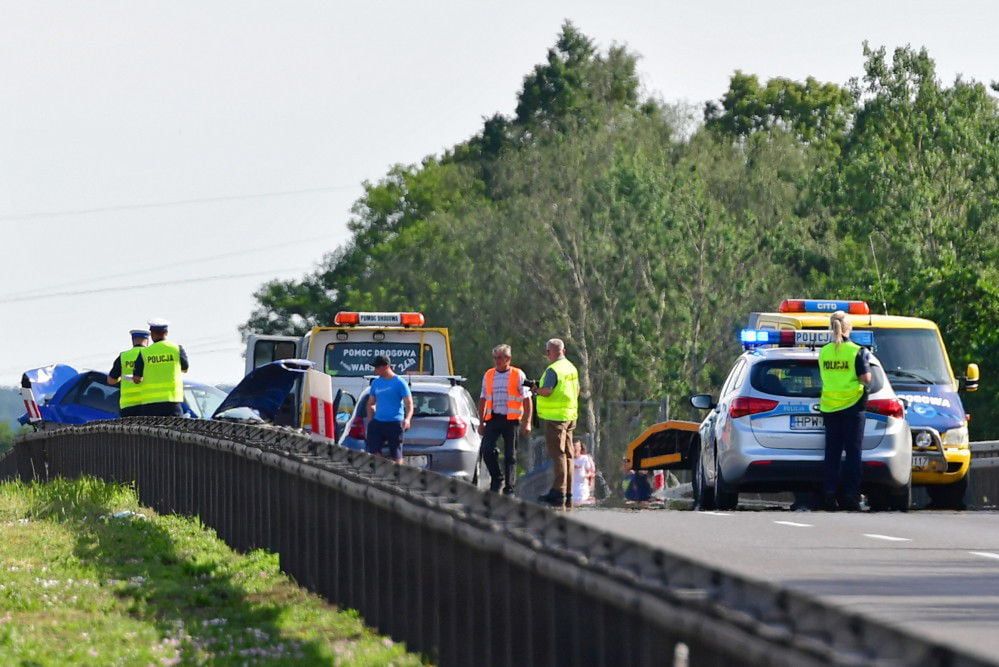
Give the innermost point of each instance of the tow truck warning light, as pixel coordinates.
(823, 306)
(354, 319)
(801, 338)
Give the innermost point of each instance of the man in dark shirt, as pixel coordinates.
(130, 394)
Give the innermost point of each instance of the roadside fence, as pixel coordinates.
(463, 576)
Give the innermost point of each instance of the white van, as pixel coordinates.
(344, 351)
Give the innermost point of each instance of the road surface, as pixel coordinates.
(933, 573)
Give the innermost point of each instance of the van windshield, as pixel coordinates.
(354, 359)
(911, 356)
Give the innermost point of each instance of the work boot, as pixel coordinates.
(508, 491)
(850, 504)
(829, 503)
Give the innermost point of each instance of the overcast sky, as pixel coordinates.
(200, 148)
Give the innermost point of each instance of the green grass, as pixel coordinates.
(88, 577)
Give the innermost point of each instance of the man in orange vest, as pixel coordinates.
(505, 407)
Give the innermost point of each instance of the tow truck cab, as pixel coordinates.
(915, 359)
(344, 351)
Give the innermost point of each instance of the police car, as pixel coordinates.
(914, 357)
(765, 432)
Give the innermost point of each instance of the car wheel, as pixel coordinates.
(948, 496)
(726, 498)
(884, 499)
(704, 496)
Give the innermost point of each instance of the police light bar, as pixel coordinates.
(348, 319)
(790, 338)
(823, 306)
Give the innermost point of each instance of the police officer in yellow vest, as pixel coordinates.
(558, 405)
(129, 395)
(845, 370)
(158, 369)
(505, 407)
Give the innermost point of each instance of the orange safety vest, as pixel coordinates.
(514, 401)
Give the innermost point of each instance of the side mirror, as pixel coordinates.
(905, 403)
(702, 401)
(970, 380)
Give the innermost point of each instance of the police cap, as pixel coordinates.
(139, 333)
(158, 324)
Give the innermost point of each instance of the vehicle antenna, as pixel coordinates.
(884, 302)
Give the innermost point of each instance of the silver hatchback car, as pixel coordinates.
(766, 434)
(443, 435)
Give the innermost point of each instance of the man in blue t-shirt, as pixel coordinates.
(390, 409)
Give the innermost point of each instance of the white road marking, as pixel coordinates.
(714, 513)
(890, 538)
(794, 523)
(984, 554)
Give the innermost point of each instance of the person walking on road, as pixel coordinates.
(845, 370)
(159, 369)
(505, 407)
(129, 394)
(558, 405)
(390, 410)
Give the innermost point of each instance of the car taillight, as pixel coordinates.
(357, 428)
(743, 406)
(889, 407)
(456, 428)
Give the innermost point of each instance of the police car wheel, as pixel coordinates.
(704, 498)
(725, 498)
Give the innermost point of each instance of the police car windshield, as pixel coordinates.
(912, 356)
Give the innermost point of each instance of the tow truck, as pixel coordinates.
(344, 350)
(915, 359)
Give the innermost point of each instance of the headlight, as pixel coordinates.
(923, 439)
(956, 437)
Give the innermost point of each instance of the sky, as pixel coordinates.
(163, 159)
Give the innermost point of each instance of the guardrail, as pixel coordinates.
(464, 576)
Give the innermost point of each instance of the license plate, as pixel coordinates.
(920, 462)
(807, 423)
(417, 461)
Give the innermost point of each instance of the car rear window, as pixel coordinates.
(798, 378)
(431, 404)
(353, 359)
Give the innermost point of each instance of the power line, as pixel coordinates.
(167, 204)
(187, 262)
(125, 288)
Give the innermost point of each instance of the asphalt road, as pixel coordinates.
(933, 573)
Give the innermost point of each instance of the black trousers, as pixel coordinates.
(844, 433)
(498, 426)
(157, 410)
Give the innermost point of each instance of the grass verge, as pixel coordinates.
(89, 577)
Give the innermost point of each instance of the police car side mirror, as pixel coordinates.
(970, 380)
(905, 403)
(702, 401)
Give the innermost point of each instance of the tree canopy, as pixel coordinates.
(591, 215)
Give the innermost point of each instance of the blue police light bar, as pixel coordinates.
(803, 337)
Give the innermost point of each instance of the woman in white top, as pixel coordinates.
(584, 471)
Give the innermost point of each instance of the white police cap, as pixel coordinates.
(158, 323)
(139, 333)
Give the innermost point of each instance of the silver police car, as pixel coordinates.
(766, 434)
(443, 435)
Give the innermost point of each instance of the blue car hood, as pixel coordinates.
(45, 381)
(936, 406)
(266, 388)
